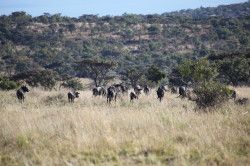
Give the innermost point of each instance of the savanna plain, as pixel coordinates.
(47, 130)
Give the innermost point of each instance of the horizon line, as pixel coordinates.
(121, 14)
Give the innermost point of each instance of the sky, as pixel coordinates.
(75, 8)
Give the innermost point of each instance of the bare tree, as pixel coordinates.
(97, 70)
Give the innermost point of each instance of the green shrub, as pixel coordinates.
(6, 84)
(197, 71)
(47, 78)
(211, 93)
(154, 74)
(22, 141)
(44, 78)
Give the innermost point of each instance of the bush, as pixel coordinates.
(154, 74)
(209, 94)
(235, 70)
(197, 71)
(45, 78)
(6, 84)
(73, 83)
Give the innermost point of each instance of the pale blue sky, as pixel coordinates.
(104, 7)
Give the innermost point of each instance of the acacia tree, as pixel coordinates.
(97, 70)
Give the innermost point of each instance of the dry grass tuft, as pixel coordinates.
(47, 130)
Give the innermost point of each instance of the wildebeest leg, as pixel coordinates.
(23, 99)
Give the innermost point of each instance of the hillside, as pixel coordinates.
(57, 42)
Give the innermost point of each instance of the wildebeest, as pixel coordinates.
(182, 91)
(20, 93)
(191, 95)
(160, 92)
(133, 96)
(173, 89)
(146, 89)
(137, 89)
(242, 101)
(72, 96)
(111, 94)
(234, 95)
(98, 91)
(121, 87)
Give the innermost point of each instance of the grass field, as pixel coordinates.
(47, 130)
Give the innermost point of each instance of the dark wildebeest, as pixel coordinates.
(191, 95)
(146, 89)
(121, 87)
(20, 93)
(242, 101)
(182, 91)
(233, 95)
(72, 96)
(137, 90)
(111, 94)
(160, 92)
(98, 91)
(133, 96)
(173, 89)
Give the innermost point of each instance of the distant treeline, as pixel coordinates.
(53, 45)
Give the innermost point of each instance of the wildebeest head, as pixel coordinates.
(146, 89)
(182, 91)
(163, 87)
(124, 88)
(77, 94)
(133, 96)
(95, 91)
(112, 88)
(25, 88)
(138, 89)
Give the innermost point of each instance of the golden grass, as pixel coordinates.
(47, 130)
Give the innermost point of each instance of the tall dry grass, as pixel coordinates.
(47, 130)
